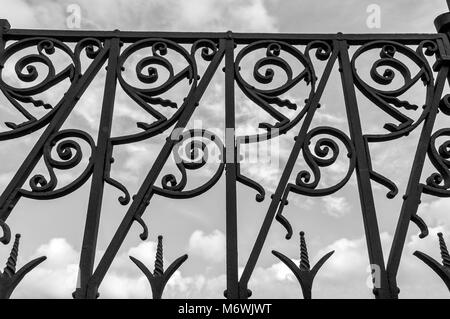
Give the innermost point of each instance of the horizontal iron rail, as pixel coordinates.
(239, 38)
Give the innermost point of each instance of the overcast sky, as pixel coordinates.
(197, 226)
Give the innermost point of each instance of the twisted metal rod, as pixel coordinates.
(444, 251)
(304, 259)
(10, 267)
(159, 265)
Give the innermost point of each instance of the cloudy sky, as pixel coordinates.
(197, 226)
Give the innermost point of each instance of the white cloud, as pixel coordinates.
(436, 213)
(139, 156)
(208, 246)
(55, 277)
(336, 206)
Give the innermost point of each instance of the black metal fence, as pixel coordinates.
(428, 53)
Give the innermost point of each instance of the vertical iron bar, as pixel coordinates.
(4, 27)
(363, 174)
(9, 197)
(143, 196)
(232, 291)
(88, 248)
(277, 196)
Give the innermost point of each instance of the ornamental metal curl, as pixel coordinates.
(439, 183)
(70, 155)
(265, 97)
(27, 72)
(270, 99)
(326, 152)
(388, 99)
(191, 153)
(152, 96)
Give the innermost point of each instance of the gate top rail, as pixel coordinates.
(239, 38)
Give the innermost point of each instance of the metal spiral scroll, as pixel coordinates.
(70, 155)
(151, 98)
(267, 99)
(326, 152)
(438, 183)
(27, 72)
(191, 153)
(389, 100)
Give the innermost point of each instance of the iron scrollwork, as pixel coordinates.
(191, 152)
(389, 100)
(393, 57)
(270, 99)
(27, 72)
(146, 71)
(438, 183)
(164, 65)
(326, 152)
(70, 155)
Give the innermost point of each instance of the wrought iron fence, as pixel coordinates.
(343, 50)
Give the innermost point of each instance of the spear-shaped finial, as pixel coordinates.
(10, 268)
(304, 260)
(444, 251)
(442, 270)
(305, 275)
(10, 278)
(159, 266)
(159, 277)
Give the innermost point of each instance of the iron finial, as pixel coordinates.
(10, 278)
(304, 260)
(10, 268)
(442, 270)
(304, 274)
(444, 251)
(159, 265)
(159, 277)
